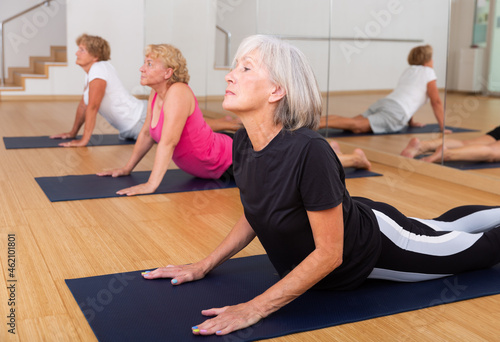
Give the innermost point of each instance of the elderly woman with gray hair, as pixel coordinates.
(295, 201)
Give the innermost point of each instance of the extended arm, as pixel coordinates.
(178, 105)
(436, 103)
(239, 237)
(327, 226)
(97, 88)
(142, 145)
(79, 120)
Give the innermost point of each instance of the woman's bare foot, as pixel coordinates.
(437, 155)
(335, 146)
(413, 148)
(360, 161)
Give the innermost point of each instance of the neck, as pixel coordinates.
(87, 67)
(161, 89)
(261, 129)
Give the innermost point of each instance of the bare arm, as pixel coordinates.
(327, 227)
(178, 105)
(142, 145)
(436, 103)
(239, 237)
(97, 88)
(79, 120)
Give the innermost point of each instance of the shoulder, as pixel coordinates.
(180, 91)
(305, 138)
(100, 70)
(427, 72)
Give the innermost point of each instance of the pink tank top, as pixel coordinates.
(200, 151)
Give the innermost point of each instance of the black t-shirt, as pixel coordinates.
(495, 133)
(295, 173)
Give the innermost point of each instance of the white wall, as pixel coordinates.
(190, 25)
(33, 33)
(121, 23)
(461, 30)
(355, 64)
(494, 70)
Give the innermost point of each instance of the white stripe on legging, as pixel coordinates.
(380, 273)
(477, 222)
(446, 244)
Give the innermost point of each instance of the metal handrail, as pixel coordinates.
(2, 47)
(227, 58)
(397, 40)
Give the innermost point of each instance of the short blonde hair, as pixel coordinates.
(288, 67)
(96, 46)
(420, 55)
(171, 57)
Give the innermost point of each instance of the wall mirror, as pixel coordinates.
(358, 50)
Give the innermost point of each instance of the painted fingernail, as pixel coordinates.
(196, 330)
(195, 327)
(203, 331)
(174, 281)
(218, 332)
(146, 272)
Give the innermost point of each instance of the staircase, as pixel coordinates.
(39, 68)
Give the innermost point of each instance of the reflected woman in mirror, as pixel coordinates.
(485, 148)
(416, 85)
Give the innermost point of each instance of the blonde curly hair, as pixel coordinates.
(171, 57)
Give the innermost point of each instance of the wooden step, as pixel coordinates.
(38, 68)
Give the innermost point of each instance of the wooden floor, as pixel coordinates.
(56, 241)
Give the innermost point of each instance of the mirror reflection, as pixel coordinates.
(473, 86)
(358, 50)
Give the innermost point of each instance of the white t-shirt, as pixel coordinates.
(118, 106)
(411, 91)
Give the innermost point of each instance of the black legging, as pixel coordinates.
(462, 239)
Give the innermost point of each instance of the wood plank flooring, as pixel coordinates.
(56, 241)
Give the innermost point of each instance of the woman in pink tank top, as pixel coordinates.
(176, 123)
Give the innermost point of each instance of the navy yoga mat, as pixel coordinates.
(351, 172)
(430, 128)
(45, 141)
(80, 187)
(467, 165)
(126, 307)
(69, 188)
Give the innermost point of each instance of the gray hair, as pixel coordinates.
(288, 67)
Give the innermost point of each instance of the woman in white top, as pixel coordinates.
(394, 112)
(103, 93)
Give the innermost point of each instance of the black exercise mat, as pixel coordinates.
(80, 187)
(430, 128)
(125, 307)
(468, 165)
(45, 141)
(351, 172)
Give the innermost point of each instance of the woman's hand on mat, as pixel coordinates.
(68, 135)
(179, 274)
(229, 319)
(114, 172)
(140, 189)
(74, 143)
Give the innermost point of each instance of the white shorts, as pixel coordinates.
(386, 116)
